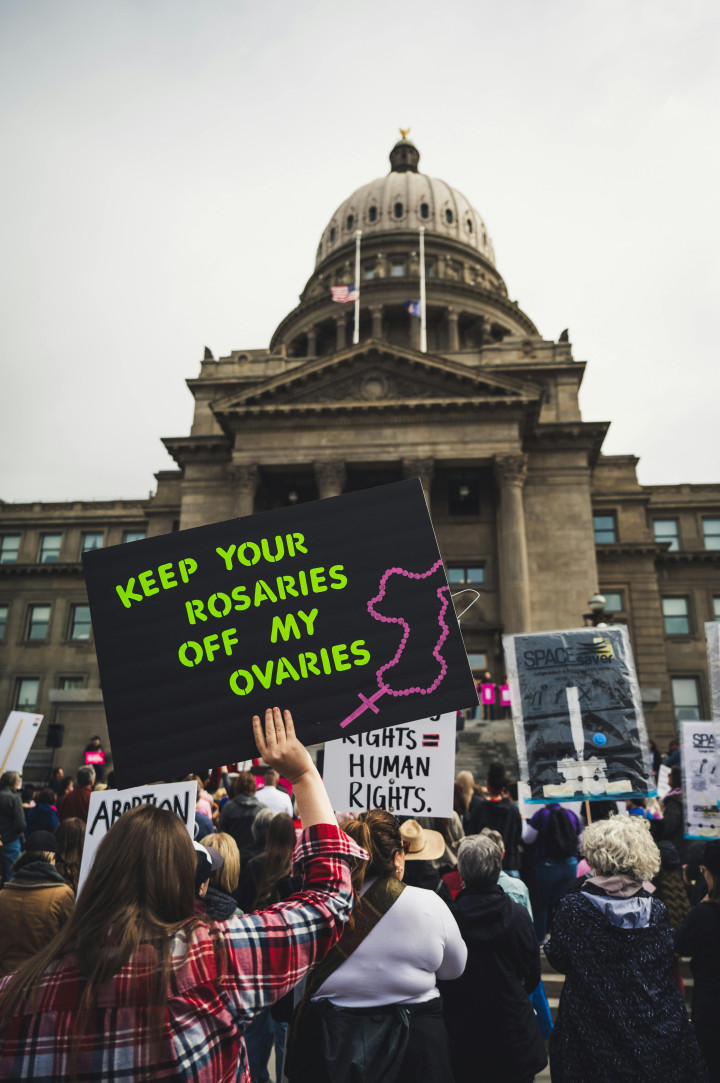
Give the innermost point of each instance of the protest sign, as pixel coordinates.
(338, 609)
(487, 693)
(577, 715)
(16, 740)
(712, 635)
(701, 779)
(107, 806)
(505, 695)
(663, 782)
(409, 770)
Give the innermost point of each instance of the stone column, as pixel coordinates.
(423, 469)
(510, 471)
(330, 477)
(340, 332)
(376, 311)
(312, 341)
(244, 481)
(453, 336)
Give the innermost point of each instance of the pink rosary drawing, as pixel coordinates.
(369, 702)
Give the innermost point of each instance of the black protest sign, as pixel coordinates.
(337, 609)
(578, 719)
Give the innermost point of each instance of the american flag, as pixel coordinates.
(344, 293)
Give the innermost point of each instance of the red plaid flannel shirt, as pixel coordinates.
(208, 1011)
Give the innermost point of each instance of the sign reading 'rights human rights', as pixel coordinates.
(338, 609)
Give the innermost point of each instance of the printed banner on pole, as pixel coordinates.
(701, 779)
(338, 609)
(107, 806)
(712, 635)
(577, 715)
(409, 770)
(16, 740)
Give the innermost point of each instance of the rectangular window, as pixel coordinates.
(463, 497)
(716, 607)
(477, 661)
(604, 527)
(50, 548)
(134, 535)
(369, 272)
(9, 547)
(38, 621)
(26, 695)
(613, 601)
(711, 533)
(686, 699)
(666, 530)
(80, 625)
(429, 269)
(676, 613)
(3, 620)
(68, 683)
(464, 576)
(91, 541)
(397, 268)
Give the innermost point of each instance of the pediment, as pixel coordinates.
(375, 374)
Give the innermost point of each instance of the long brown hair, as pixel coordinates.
(279, 846)
(70, 837)
(140, 890)
(378, 832)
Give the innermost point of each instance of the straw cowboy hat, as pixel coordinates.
(419, 843)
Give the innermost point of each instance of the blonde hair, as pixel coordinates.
(228, 875)
(623, 846)
(466, 782)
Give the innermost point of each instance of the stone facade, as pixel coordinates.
(527, 510)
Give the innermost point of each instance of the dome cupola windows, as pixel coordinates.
(398, 209)
(424, 210)
(449, 218)
(350, 221)
(372, 213)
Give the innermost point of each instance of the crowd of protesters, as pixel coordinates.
(360, 949)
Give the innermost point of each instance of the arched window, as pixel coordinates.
(332, 234)
(424, 210)
(350, 221)
(449, 216)
(469, 225)
(372, 214)
(398, 210)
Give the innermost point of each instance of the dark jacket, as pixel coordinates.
(699, 937)
(492, 1026)
(621, 1017)
(12, 817)
(673, 825)
(249, 885)
(236, 819)
(41, 818)
(502, 816)
(219, 905)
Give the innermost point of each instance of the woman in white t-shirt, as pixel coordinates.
(372, 1009)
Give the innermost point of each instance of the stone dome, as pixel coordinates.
(404, 200)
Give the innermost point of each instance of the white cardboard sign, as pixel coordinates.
(701, 779)
(712, 635)
(409, 770)
(107, 806)
(16, 739)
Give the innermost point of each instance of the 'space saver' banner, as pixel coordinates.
(338, 609)
(577, 714)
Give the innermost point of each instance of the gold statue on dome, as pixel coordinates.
(404, 132)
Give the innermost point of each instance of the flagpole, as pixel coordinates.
(423, 323)
(356, 329)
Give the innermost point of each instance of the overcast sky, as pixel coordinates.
(169, 166)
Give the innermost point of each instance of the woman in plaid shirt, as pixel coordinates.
(138, 987)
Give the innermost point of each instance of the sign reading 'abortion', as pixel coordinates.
(338, 609)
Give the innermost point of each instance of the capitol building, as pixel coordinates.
(527, 509)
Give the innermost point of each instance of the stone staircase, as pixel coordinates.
(482, 742)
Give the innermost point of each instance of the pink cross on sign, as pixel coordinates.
(487, 693)
(505, 695)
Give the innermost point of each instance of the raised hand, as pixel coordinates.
(279, 746)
